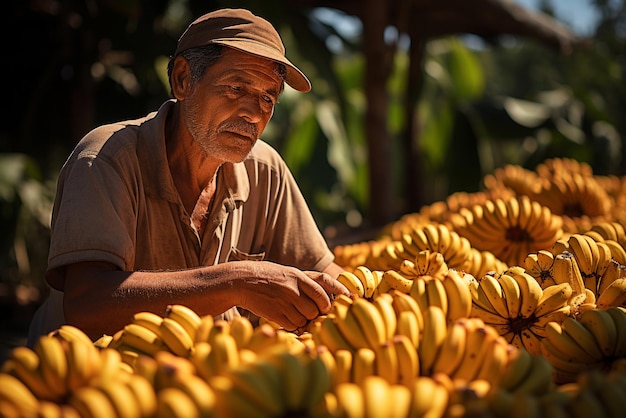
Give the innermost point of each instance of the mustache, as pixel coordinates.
(240, 127)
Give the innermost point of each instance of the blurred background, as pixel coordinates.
(412, 100)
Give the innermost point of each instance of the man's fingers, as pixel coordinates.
(327, 289)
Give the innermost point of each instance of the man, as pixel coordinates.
(187, 205)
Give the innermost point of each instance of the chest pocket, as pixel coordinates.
(237, 255)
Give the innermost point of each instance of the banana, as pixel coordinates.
(583, 337)
(558, 316)
(539, 378)
(144, 394)
(319, 382)
(495, 294)
(488, 317)
(494, 362)
(430, 263)
(565, 270)
(512, 294)
(350, 400)
(224, 354)
(185, 316)
(408, 362)
(16, 393)
(458, 295)
(477, 347)
(452, 349)
(121, 397)
(571, 350)
(384, 305)
(376, 397)
(352, 283)
(207, 322)
(199, 391)
(619, 318)
(428, 398)
(403, 302)
(69, 332)
(363, 364)
(553, 297)
(83, 364)
(370, 321)
(387, 365)
(613, 295)
(530, 290)
(23, 363)
(261, 383)
(142, 339)
(436, 295)
(343, 359)
(618, 253)
(433, 334)
(173, 402)
(367, 279)
(398, 401)
(148, 320)
(585, 404)
(397, 281)
(539, 266)
(103, 341)
(581, 248)
(241, 329)
(408, 326)
(351, 330)
(293, 368)
(516, 370)
(600, 323)
(330, 335)
(531, 341)
(91, 402)
(53, 363)
(176, 338)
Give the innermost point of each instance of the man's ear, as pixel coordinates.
(180, 78)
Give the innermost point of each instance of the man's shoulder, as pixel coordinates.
(264, 153)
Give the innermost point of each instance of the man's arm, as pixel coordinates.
(100, 299)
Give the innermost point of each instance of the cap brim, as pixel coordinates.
(294, 77)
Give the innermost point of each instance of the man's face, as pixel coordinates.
(230, 106)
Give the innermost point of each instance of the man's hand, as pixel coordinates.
(288, 296)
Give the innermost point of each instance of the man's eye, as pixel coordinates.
(235, 88)
(268, 99)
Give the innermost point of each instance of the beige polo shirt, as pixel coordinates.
(116, 202)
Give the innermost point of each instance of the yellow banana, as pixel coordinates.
(363, 364)
(185, 316)
(531, 341)
(83, 364)
(586, 404)
(241, 329)
(121, 397)
(352, 283)
(404, 302)
(330, 335)
(618, 253)
(516, 370)
(387, 362)
(53, 363)
(144, 394)
(408, 362)
(539, 266)
(428, 397)
(408, 326)
(558, 316)
(367, 279)
(376, 397)
(148, 320)
(565, 270)
(91, 402)
(173, 402)
(581, 249)
(142, 339)
(344, 361)
(539, 378)
(480, 299)
(452, 349)
(512, 294)
(601, 325)
(613, 295)
(458, 294)
(495, 295)
(530, 291)
(176, 337)
(319, 382)
(350, 400)
(478, 345)
(384, 305)
(224, 354)
(433, 334)
(494, 362)
(23, 363)
(397, 281)
(619, 318)
(199, 391)
(436, 295)
(69, 332)
(350, 329)
(430, 263)
(261, 383)
(370, 321)
(204, 329)
(17, 394)
(553, 298)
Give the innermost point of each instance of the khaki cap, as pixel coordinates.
(240, 29)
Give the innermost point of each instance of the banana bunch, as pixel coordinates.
(365, 253)
(435, 237)
(280, 382)
(516, 306)
(451, 293)
(526, 374)
(613, 235)
(361, 282)
(480, 263)
(595, 394)
(593, 340)
(426, 263)
(353, 324)
(375, 397)
(466, 350)
(510, 228)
